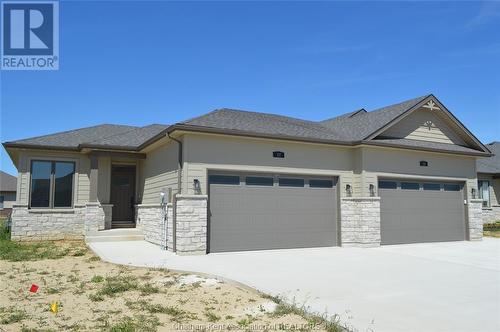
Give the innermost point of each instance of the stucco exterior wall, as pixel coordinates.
(398, 163)
(158, 172)
(212, 152)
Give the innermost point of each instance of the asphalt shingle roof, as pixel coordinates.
(349, 128)
(7, 182)
(491, 164)
(361, 125)
(116, 136)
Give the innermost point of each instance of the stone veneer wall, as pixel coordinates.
(151, 219)
(54, 224)
(491, 214)
(360, 221)
(475, 211)
(191, 218)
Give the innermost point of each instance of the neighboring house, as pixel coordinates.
(234, 180)
(488, 177)
(8, 187)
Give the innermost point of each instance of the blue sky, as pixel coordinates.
(162, 62)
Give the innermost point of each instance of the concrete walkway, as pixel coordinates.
(452, 286)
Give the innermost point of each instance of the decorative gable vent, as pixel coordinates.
(431, 105)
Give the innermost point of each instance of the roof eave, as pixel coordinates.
(233, 132)
(418, 148)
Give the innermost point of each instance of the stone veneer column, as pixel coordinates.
(151, 218)
(475, 211)
(360, 221)
(491, 214)
(191, 215)
(94, 217)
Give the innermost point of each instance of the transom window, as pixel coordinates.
(387, 184)
(320, 183)
(451, 187)
(52, 184)
(225, 179)
(432, 186)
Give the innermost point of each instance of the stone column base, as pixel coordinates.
(360, 221)
(152, 219)
(475, 212)
(191, 222)
(491, 214)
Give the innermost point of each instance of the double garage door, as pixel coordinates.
(260, 211)
(412, 211)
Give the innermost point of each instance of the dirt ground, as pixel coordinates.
(92, 295)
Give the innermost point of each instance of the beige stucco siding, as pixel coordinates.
(158, 172)
(379, 163)
(82, 170)
(213, 152)
(425, 125)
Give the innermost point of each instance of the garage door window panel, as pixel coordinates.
(290, 182)
(451, 187)
(387, 184)
(313, 183)
(259, 181)
(410, 186)
(225, 179)
(432, 186)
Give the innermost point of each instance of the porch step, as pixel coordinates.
(112, 235)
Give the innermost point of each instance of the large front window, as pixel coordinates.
(484, 192)
(52, 184)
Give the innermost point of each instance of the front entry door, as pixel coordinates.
(123, 196)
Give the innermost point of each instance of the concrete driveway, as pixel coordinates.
(452, 286)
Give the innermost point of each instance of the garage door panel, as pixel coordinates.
(246, 217)
(411, 216)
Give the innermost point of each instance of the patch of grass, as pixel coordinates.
(97, 279)
(96, 297)
(136, 323)
(177, 315)
(119, 284)
(229, 317)
(148, 289)
(18, 252)
(14, 316)
(330, 324)
(492, 229)
(212, 317)
(52, 290)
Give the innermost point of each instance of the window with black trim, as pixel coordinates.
(432, 186)
(320, 183)
(410, 185)
(387, 184)
(289, 182)
(451, 187)
(52, 184)
(259, 181)
(224, 179)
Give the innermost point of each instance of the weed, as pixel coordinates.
(176, 314)
(136, 323)
(148, 289)
(119, 284)
(52, 290)
(14, 316)
(229, 317)
(97, 278)
(212, 318)
(96, 297)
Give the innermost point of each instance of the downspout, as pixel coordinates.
(179, 191)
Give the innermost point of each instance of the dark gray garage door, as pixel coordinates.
(254, 212)
(413, 212)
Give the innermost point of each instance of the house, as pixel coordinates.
(233, 180)
(488, 177)
(8, 187)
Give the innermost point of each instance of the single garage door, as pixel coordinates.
(254, 212)
(412, 211)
